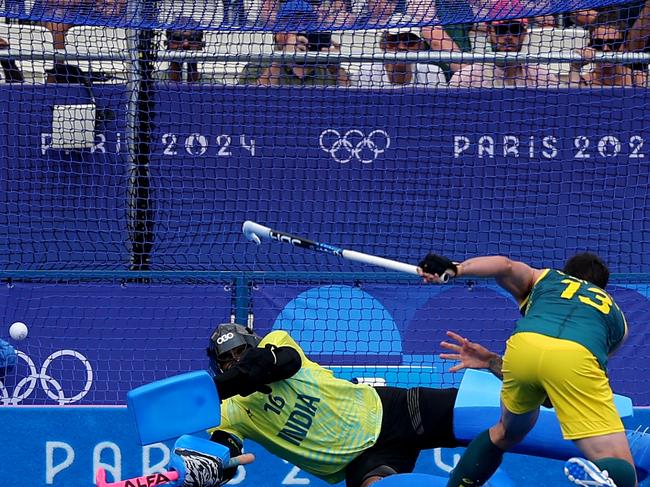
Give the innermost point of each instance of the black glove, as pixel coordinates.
(256, 369)
(437, 264)
(257, 364)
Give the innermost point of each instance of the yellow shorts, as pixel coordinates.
(535, 366)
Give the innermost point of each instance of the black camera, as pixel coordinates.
(317, 40)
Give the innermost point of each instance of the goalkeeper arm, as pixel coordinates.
(256, 369)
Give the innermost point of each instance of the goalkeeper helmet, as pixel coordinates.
(228, 342)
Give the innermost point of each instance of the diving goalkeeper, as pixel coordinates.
(332, 428)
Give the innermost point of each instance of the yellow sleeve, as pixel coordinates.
(281, 338)
(229, 414)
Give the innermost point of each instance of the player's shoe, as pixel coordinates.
(581, 471)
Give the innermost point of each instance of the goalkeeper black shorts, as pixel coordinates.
(413, 420)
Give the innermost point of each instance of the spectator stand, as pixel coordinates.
(32, 43)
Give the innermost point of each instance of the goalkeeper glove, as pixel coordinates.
(233, 444)
(256, 366)
(201, 470)
(437, 264)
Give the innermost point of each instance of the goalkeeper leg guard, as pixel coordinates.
(479, 462)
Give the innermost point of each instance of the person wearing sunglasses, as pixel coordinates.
(296, 19)
(186, 39)
(401, 39)
(297, 72)
(507, 37)
(603, 39)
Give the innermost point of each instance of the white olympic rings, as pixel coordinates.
(354, 144)
(50, 385)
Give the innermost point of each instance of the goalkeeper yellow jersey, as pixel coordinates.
(314, 420)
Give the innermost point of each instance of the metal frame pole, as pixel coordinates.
(140, 114)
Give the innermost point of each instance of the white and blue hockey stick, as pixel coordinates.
(256, 233)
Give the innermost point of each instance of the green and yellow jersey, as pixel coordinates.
(314, 420)
(562, 306)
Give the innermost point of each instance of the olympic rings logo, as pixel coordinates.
(354, 144)
(50, 385)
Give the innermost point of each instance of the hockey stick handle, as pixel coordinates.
(393, 265)
(256, 232)
(150, 480)
(155, 479)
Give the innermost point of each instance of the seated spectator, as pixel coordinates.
(638, 38)
(291, 72)
(184, 40)
(606, 39)
(505, 36)
(454, 35)
(454, 29)
(625, 13)
(296, 15)
(11, 73)
(633, 18)
(59, 15)
(392, 74)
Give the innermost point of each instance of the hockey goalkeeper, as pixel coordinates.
(332, 428)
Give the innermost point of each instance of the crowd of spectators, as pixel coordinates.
(612, 29)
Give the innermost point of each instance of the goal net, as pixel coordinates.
(137, 137)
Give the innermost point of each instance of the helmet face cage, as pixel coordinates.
(226, 338)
